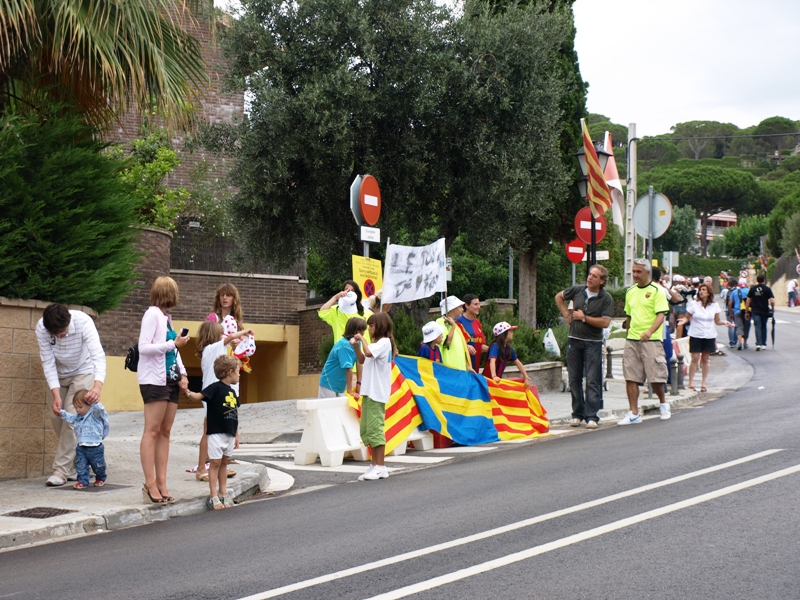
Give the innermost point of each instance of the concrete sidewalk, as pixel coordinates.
(119, 503)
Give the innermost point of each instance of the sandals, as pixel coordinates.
(227, 501)
(691, 387)
(201, 477)
(148, 499)
(703, 389)
(214, 503)
(79, 486)
(99, 482)
(231, 473)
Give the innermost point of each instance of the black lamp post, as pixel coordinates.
(583, 183)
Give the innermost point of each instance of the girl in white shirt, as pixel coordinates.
(376, 388)
(704, 316)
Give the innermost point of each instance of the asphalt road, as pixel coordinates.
(729, 532)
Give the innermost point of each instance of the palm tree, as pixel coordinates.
(102, 56)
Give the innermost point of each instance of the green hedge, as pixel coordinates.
(65, 230)
(697, 266)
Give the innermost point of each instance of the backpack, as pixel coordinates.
(132, 359)
(741, 300)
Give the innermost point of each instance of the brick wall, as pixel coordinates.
(213, 107)
(272, 299)
(27, 441)
(312, 331)
(119, 328)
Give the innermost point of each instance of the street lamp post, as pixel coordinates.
(583, 185)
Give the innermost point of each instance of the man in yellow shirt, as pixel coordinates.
(643, 359)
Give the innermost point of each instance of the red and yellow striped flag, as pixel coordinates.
(596, 189)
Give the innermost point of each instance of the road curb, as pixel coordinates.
(644, 406)
(250, 482)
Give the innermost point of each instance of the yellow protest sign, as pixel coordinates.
(368, 274)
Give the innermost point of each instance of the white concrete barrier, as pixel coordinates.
(423, 440)
(331, 432)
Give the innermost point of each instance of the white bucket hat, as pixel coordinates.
(347, 303)
(452, 302)
(430, 331)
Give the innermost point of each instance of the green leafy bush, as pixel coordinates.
(697, 266)
(324, 348)
(65, 230)
(151, 161)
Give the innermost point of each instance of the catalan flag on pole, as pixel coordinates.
(596, 189)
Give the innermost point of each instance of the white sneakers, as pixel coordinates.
(591, 425)
(374, 472)
(55, 480)
(575, 423)
(630, 419)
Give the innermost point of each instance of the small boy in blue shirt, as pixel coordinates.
(91, 428)
(337, 374)
(432, 335)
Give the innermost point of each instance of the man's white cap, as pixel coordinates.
(347, 303)
(430, 331)
(452, 302)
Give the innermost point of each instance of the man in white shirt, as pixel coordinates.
(72, 360)
(791, 291)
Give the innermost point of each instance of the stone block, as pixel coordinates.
(6, 340)
(29, 441)
(16, 365)
(28, 391)
(13, 466)
(5, 390)
(5, 440)
(37, 370)
(25, 342)
(36, 314)
(37, 416)
(15, 317)
(13, 416)
(35, 466)
(48, 461)
(50, 441)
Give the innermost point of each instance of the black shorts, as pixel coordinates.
(702, 344)
(157, 393)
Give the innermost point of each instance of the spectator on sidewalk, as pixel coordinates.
(731, 287)
(791, 292)
(473, 330)
(91, 428)
(592, 310)
(737, 305)
(73, 360)
(454, 348)
(432, 338)
(761, 301)
(337, 375)
(342, 307)
(704, 314)
(643, 359)
(673, 298)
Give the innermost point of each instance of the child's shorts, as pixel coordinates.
(219, 444)
(373, 417)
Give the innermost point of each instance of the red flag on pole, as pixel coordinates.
(596, 189)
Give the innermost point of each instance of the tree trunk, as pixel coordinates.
(528, 262)
(703, 231)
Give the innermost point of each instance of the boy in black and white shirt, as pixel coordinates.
(222, 412)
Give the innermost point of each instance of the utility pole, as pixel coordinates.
(630, 200)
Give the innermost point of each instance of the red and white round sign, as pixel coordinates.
(575, 251)
(369, 199)
(583, 226)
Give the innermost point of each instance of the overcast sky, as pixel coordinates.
(657, 63)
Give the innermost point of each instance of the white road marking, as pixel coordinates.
(781, 321)
(580, 537)
(290, 466)
(462, 449)
(419, 460)
(500, 530)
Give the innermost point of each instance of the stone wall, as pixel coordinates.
(312, 331)
(119, 328)
(27, 441)
(272, 299)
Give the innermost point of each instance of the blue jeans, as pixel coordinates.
(760, 323)
(732, 338)
(90, 456)
(668, 351)
(585, 358)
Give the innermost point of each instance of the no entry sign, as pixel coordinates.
(369, 197)
(583, 226)
(575, 251)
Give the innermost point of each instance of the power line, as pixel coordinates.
(722, 137)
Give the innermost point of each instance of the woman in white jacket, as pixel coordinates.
(162, 378)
